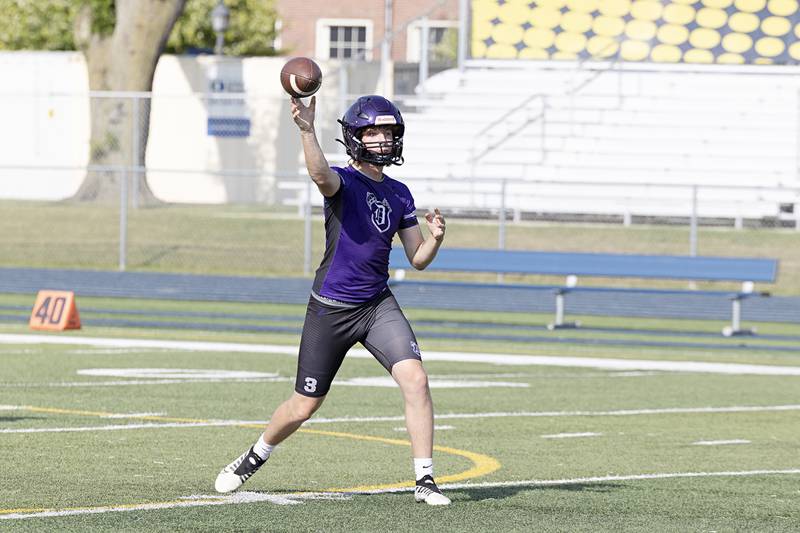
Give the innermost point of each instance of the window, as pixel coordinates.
(442, 37)
(344, 39)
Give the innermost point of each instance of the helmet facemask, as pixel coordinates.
(383, 153)
(373, 111)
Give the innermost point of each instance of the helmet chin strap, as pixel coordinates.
(357, 150)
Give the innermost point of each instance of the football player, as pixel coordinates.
(350, 300)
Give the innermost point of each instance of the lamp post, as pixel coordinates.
(387, 66)
(220, 16)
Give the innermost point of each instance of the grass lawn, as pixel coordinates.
(269, 241)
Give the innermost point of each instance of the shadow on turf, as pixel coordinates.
(499, 493)
(480, 493)
(18, 418)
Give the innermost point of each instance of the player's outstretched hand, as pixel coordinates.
(436, 224)
(303, 115)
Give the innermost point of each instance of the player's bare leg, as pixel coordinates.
(413, 381)
(286, 419)
(289, 416)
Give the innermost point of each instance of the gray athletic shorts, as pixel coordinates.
(331, 329)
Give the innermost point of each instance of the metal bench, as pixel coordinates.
(748, 271)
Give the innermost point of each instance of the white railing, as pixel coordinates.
(512, 201)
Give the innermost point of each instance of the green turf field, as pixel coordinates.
(110, 435)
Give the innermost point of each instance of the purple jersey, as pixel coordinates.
(360, 222)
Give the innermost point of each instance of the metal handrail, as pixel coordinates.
(541, 116)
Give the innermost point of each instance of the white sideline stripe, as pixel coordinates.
(254, 497)
(720, 442)
(122, 382)
(447, 416)
(174, 373)
(463, 357)
(120, 427)
(437, 428)
(133, 415)
(599, 479)
(546, 414)
(12, 338)
(9, 407)
(633, 477)
(385, 382)
(571, 435)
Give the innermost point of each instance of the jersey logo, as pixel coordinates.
(380, 210)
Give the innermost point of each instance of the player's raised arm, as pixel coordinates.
(326, 179)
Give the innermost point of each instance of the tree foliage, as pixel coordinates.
(37, 24)
(103, 15)
(251, 31)
(48, 25)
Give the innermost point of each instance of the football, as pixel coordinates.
(301, 77)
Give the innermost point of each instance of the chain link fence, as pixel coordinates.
(214, 184)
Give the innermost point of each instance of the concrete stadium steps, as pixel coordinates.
(190, 287)
(635, 149)
(738, 103)
(651, 124)
(541, 77)
(584, 108)
(661, 123)
(619, 130)
(564, 165)
(589, 173)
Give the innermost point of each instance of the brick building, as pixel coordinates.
(344, 29)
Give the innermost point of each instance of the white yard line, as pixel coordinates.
(293, 499)
(437, 428)
(720, 442)
(549, 414)
(463, 357)
(445, 416)
(122, 427)
(133, 415)
(632, 477)
(127, 382)
(571, 435)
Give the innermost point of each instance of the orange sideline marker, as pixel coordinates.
(55, 311)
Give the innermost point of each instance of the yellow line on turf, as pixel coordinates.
(101, 508)
(482, 464)
(103, 414)
(22, 510)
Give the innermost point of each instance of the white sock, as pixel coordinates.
(423, 467)
(263, 449)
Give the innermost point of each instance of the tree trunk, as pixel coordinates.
(123, 60)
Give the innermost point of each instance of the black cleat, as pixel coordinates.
(427, 491)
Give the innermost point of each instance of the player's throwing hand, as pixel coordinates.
(436, 224)
(303, 115)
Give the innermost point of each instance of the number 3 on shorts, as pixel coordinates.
(311, 385)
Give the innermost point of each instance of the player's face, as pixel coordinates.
(378, 139)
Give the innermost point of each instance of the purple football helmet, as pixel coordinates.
(373, 110)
